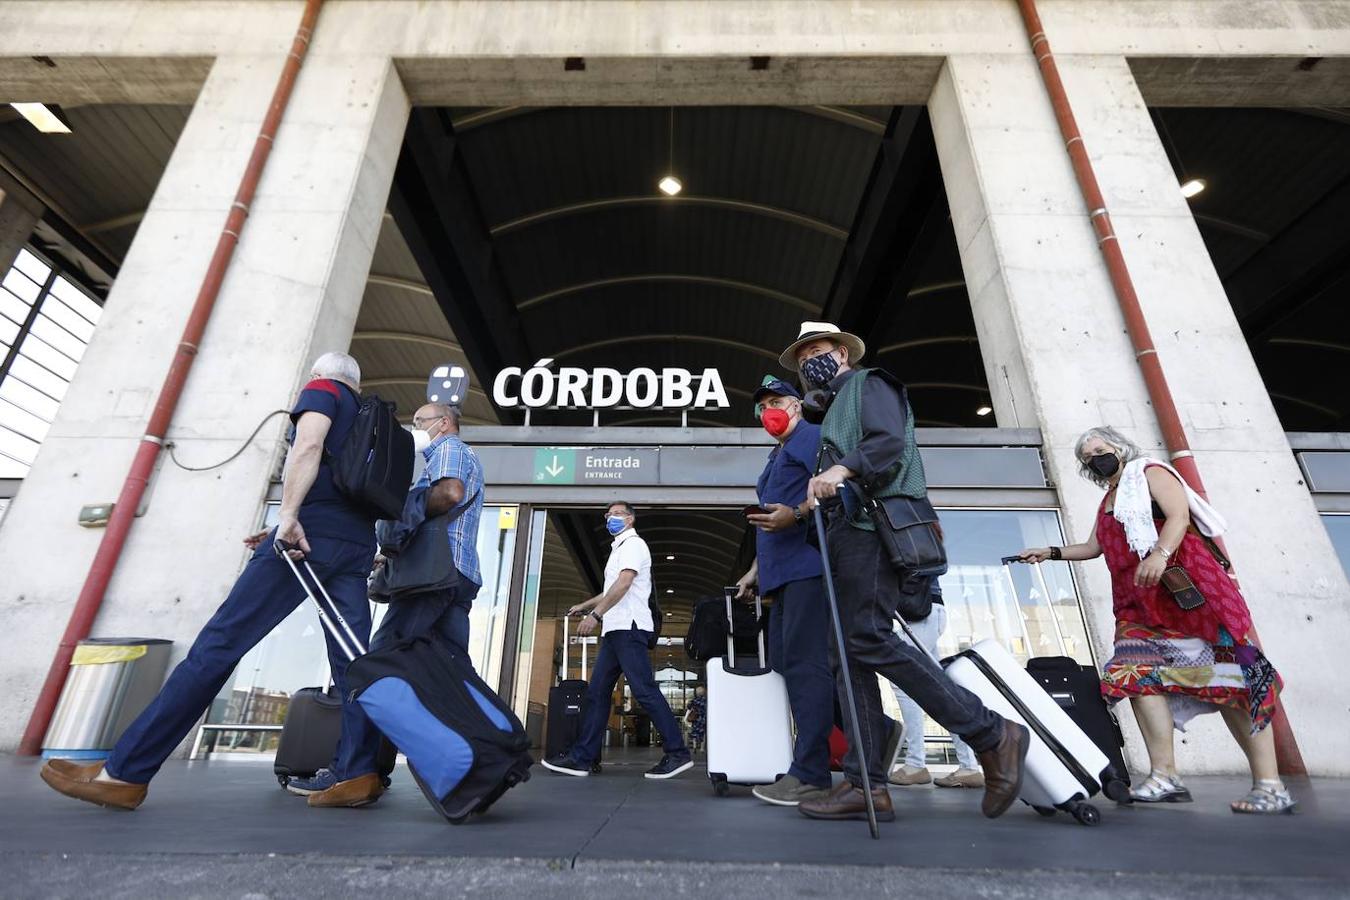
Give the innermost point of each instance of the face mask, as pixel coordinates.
(815, 405)
(421, 440)
(615, 524)
(776, 421)
(819, 371)
(1104, 464)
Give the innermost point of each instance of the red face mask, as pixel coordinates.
(775, 421)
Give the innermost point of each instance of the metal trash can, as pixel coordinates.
(111, 681)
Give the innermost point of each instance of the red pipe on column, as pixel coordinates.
(1165, 408)
(129, 500)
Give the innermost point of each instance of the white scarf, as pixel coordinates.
(1134, 507)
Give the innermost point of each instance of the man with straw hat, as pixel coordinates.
(868, 453)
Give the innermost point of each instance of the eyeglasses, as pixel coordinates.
(419, 422)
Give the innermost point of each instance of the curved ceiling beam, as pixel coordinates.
(407, 337)
(666, 338)
(395, 281)
(1231, 227)
(396, 380)
(1304, 342)
(672, 277)
(1324, 410)
(926, 342)
(674, 529)
(936, 288)
(838, 114)
(948, 386)
(723, 203)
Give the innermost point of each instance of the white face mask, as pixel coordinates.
(421, 440)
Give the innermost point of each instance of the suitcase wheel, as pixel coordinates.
(1118, 791)
(720, 786)
(1085, 813)
(283, 780)
(1047, 811)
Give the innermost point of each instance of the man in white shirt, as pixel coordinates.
(622, 613)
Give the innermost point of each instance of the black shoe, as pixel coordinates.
(671, 765)
(566, 765)
(595, 767)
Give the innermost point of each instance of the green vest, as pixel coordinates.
(841, 432)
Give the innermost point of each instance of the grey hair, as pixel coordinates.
(453, 413)
(1127, 449)
(339, 367)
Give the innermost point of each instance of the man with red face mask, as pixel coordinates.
(789, 571)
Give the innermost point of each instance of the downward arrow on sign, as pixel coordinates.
(554, 470)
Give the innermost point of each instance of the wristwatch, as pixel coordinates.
(596, 616)
(797, 514)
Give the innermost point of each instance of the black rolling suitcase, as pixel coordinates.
(464, 746)
(1077, 690)
(310, 734)
(566, 705)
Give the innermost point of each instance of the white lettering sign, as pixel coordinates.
(540, 386)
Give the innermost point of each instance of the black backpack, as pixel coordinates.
(375, 465)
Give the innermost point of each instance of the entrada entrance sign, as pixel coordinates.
(567, 465)
(603, 388)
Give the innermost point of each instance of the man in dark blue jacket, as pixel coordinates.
(788, 571)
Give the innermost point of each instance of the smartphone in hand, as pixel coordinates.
(755, 509)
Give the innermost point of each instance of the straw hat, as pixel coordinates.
(811, 331)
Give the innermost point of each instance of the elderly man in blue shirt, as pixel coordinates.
(788, 570)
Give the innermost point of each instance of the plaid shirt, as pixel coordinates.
(449, 457)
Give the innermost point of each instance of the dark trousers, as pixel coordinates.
(624, 652)
(265, 594)
(443, 613)
(799, 635)
(868, 589)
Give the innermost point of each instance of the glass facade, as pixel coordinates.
(1338, 529)
(46, 322)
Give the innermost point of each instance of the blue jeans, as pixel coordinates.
(799, 629)
(624, 652)
(265, 594)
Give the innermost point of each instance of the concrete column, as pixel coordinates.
(19, 214)
(293, 291)
(1057, 356)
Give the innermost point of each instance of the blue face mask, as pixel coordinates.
(615, 524)
(819, 371)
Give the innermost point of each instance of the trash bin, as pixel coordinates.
(111, 681)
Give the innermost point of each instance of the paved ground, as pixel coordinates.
(224, 829)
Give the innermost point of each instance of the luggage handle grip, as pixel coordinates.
(729, 592)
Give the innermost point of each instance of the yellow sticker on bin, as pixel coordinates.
(97, 654)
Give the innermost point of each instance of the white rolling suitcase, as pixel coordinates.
(749, 722)
(1064, 767)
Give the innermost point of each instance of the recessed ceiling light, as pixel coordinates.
(670, 590)
(672, 556)
(983, 411)
(670, 185)
(43, 119)
(1192, 187)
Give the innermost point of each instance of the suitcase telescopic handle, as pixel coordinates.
(331, 617)
(730, 593)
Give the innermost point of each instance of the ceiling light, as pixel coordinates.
(43, 119)
(672, 556)
(670, 185)
(670, 590)
(1192, 187)
(984, 411)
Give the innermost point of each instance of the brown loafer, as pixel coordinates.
(65, 777)
(362, 790)
(1004, 767)
(846, 801)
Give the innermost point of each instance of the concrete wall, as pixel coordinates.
(1052, 339)
(1057, 356)
(19, 214)
(293, 292)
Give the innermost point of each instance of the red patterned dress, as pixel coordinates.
(1199, 659)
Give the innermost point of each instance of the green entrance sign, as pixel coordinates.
(555, 466)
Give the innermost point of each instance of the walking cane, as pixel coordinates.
(843, 669)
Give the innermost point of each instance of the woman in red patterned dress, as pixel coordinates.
(1173, 663)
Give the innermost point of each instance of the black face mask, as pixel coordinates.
(1104, 464)
(819, 371)
(815, 404)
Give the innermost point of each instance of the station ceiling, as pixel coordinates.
(520, 233)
